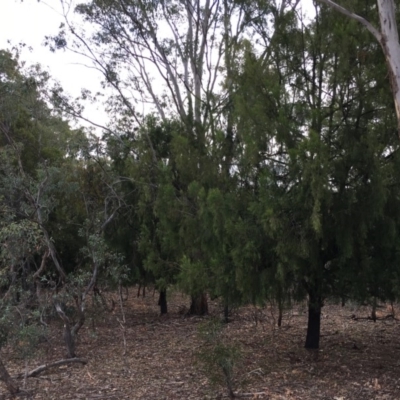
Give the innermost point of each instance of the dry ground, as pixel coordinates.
(358, 359)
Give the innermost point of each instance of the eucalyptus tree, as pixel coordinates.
(180, 58)
(167, 55)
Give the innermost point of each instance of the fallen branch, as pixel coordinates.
(254, 394)
(44, 367)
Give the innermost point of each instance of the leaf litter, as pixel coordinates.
(357, 359)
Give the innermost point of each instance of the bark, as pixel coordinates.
(373, 311)
(8, 381)
(162, 301)
(314, 321)
(280, 314)
(226, 313)
(199, 305)
(143, 289)
(391, 47)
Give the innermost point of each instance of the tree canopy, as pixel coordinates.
(266, 169)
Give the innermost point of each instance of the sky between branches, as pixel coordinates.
(29, 21)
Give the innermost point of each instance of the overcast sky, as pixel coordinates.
(29, 22)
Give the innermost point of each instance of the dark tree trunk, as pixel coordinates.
(226, 313)
(143, 287)
(314, 322)
(373, 312)
(199, 305)
(162, 301)
(280, 313)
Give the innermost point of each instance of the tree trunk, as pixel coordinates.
(69, 340)
(68, 334)
(8, 381)
(199, 305)
(314, 322)
(162, 301)
(226, 313)
(373, 312)
(391, 48)
(143, 288)
(280, 313)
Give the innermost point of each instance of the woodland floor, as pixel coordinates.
(358, 359)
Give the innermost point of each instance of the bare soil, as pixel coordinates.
(357, 359)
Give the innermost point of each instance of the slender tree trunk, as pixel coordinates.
(8, 381)
(162, 301)
(280, 313)
(226, 313)
(314, 321)
(373, 312)
(199, 305)
(281, 300)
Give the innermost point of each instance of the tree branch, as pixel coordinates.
(356, 17)
(36, 371)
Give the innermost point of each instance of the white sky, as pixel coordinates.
(29, 22)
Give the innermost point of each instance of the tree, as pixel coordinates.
(187, 59)
(323, 182)
(34, 146)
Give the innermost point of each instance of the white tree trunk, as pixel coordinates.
(388, 37)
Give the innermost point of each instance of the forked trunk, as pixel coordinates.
(314, 322)
(162, 301)
(199, 305)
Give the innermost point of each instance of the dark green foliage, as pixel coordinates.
(282, 185)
